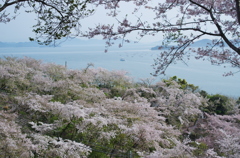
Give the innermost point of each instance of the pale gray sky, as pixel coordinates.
(17, 30)
(20, 29)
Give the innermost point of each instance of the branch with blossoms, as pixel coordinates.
(194, 19)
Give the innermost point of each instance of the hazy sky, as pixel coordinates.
(20, 29)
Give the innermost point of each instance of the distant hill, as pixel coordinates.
(163, 48)
(94, 42)
(66, 42)
(90, 42)
(20, 44)
(200, 43)
(69, 42)
(76, 41)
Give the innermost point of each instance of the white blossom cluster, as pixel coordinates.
(50, 111)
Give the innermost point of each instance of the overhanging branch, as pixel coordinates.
(229, 43)
(6, 4)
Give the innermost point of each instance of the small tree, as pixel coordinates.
(220, 104)
(55, 19)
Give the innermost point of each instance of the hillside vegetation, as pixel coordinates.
(47, 110)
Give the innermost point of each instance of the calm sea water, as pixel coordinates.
(138, 60)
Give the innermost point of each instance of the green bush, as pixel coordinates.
(203, 93)
(116, 92)
(219, 104)
(200, 148)
(182, 83)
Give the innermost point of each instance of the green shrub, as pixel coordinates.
(117, 92)
(238, 101)
(219, 104)
(182, 83)
(203, 93)
(200, 148)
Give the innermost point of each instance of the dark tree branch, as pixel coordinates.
(229, 43)
(6, 4)
(46, 4)
(160, 30)
(238, 10)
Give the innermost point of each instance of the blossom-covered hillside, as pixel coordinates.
(47, 110)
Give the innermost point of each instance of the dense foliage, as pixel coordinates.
(47, 110)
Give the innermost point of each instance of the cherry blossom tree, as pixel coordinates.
(181, 22)
(47, 110)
